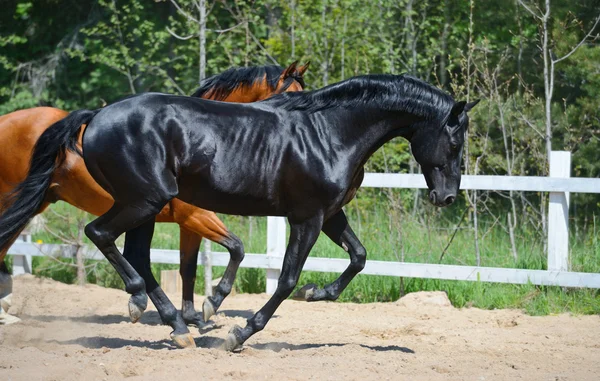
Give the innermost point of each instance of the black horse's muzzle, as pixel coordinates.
(441, 200)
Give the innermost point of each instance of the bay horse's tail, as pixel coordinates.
(19, 206)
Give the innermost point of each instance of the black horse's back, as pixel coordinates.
(221, 156)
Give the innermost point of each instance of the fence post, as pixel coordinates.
(558, 214)
(22, 263)
(276, 242)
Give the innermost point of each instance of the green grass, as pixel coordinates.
(385, 238)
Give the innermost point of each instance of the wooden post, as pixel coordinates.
(558, 215)
(207, 261)
(170, 282)
(276, 242)
(22, 263)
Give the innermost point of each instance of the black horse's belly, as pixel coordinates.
(200, 191)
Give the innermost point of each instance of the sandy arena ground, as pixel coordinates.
(73, 333)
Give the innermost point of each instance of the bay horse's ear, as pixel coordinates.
(470, 105)
(289, 70)
(302, 69)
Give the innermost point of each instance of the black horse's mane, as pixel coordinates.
(225, 83)
(388, 92)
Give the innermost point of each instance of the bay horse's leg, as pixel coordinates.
(5, 295)
(196, 223)
(302, 238)
(189, 245)
(137, 252)
(6, 280)
(103, 232)
(236, 254)
(340, 232)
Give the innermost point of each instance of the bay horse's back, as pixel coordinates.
(19, 131)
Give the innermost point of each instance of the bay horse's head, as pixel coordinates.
(252, 84)
(439, 152)
(292, 78)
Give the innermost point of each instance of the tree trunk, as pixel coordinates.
(293, 36)
(202, 40)
(548, 80)
(343, 58)
(444, 53)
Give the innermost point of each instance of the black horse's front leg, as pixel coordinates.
(302, 238)
(340, 232)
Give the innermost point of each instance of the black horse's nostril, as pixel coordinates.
(432, 196)
(450, 199)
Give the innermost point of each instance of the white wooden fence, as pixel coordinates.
(559, 184)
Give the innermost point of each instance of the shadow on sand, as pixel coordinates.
(148, 318)
(278, 346)
(210, 342)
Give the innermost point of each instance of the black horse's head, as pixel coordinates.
(439, 152)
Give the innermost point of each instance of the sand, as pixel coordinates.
(83, 333)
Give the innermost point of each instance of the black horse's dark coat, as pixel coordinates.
(299, 155)
(290, 155)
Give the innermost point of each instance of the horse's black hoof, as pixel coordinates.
(233, 340)
(137, 306)
(194, 318)
(305, 293)
(183, 340)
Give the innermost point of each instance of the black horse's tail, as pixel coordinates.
(19, 206)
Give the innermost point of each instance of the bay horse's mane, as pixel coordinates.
(223, 84)
(389, 92)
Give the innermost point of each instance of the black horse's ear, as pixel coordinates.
(302, 69)
(470, 105)
(458, 108)
(289, 71)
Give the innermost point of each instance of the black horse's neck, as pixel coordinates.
(367, 111)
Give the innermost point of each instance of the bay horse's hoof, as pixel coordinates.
(137, 306)
(6, 302)
(183, 340)
(305, 293)
(6, 319)
(232, 341)
(208, 310)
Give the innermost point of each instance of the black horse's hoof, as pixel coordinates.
(193, 318)
(183, 340)
(137, 306)
(233, 340)
(305, 293)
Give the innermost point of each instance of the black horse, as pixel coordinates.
(298, 155)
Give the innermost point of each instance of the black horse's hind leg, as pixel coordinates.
(103, 232)
(137, 252)
(236, 251)
(340, 232)
(302, 238)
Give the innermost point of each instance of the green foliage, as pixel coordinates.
(101, 51)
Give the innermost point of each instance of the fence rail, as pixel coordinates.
(558, 184)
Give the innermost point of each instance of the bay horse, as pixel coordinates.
(300, 155)
(71, 182)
